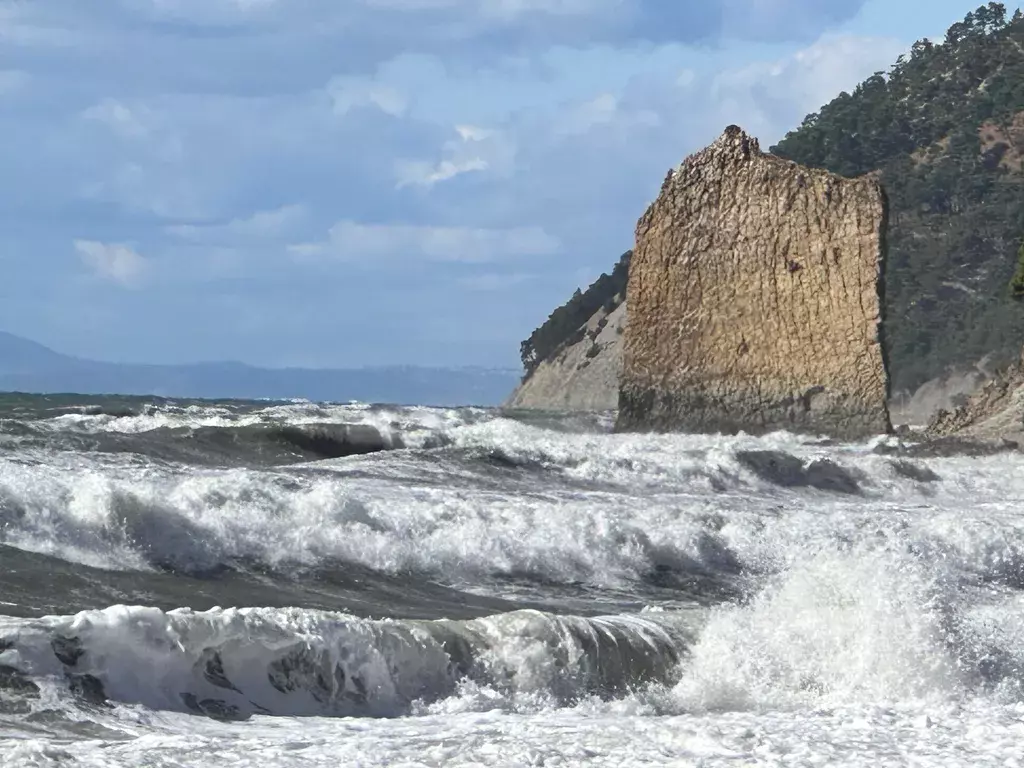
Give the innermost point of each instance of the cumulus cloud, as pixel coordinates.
(350, 93)
(205, 12)
(116, 262)
(371, 31)
(776, 95)
(119, 118)
(603, 110)
(474, 150)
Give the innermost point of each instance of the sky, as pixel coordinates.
(342, 183)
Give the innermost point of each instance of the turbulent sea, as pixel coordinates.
(213, 584)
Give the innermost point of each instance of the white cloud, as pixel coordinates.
(119, 118)
(476, 149)
(213, 12)
(351, 93)
(770, 98)
(353, 241)
(682, 109)
(508, 150)
(497, 8)
(579, 119)
(116, 262)
(473, 133)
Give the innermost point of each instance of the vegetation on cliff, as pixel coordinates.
(566, 325)
(1017, 281)
(944, 128)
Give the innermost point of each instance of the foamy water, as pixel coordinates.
(597, 599)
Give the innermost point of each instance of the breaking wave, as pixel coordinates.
(840, 628)
(231, 664)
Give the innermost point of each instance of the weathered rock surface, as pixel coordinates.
(994, 412)
(584, 374)
(946, 392)
(754, 299)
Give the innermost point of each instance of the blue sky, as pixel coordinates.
(338, 183)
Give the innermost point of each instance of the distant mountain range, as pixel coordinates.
(26, 366)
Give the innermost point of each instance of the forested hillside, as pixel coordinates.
(944, 127)
(565, 326)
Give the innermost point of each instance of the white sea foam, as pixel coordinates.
(879, 627)
(240, 662)
(599, 509)
(851, 659)
(416, 423)
(975, 734)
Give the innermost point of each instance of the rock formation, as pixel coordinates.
(996, 411)
(941, 393)
(754, 299)
(583, 373)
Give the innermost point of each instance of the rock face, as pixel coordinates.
(996, 411)
(942, 393)
(583, 375)
(754, 300)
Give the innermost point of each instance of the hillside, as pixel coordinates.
(19, 355)
(26, 366)
(567, 325)
(944, 131)
(944, 128)
(584, 373)
(573, 360)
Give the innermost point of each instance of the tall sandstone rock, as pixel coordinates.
(754, 300)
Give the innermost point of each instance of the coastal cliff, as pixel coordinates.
(572, 362)
(943, 131)
(584, 374)
(994, 411)
(754, 299)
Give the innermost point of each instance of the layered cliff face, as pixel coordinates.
(583, 375)
(996, 410)
(573, 360)
(754, 299)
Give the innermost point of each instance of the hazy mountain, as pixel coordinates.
(26, 366)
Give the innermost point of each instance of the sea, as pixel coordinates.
(199, 583)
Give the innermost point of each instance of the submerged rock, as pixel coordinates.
(931, 447)
(918, 472)
(754, 300)
(788, 471)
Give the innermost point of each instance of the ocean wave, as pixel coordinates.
(843, 628)
(149, 417)
(484, 500)
(500, 500)
(231, 664)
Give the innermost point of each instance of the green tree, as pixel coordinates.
(1017, 281)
